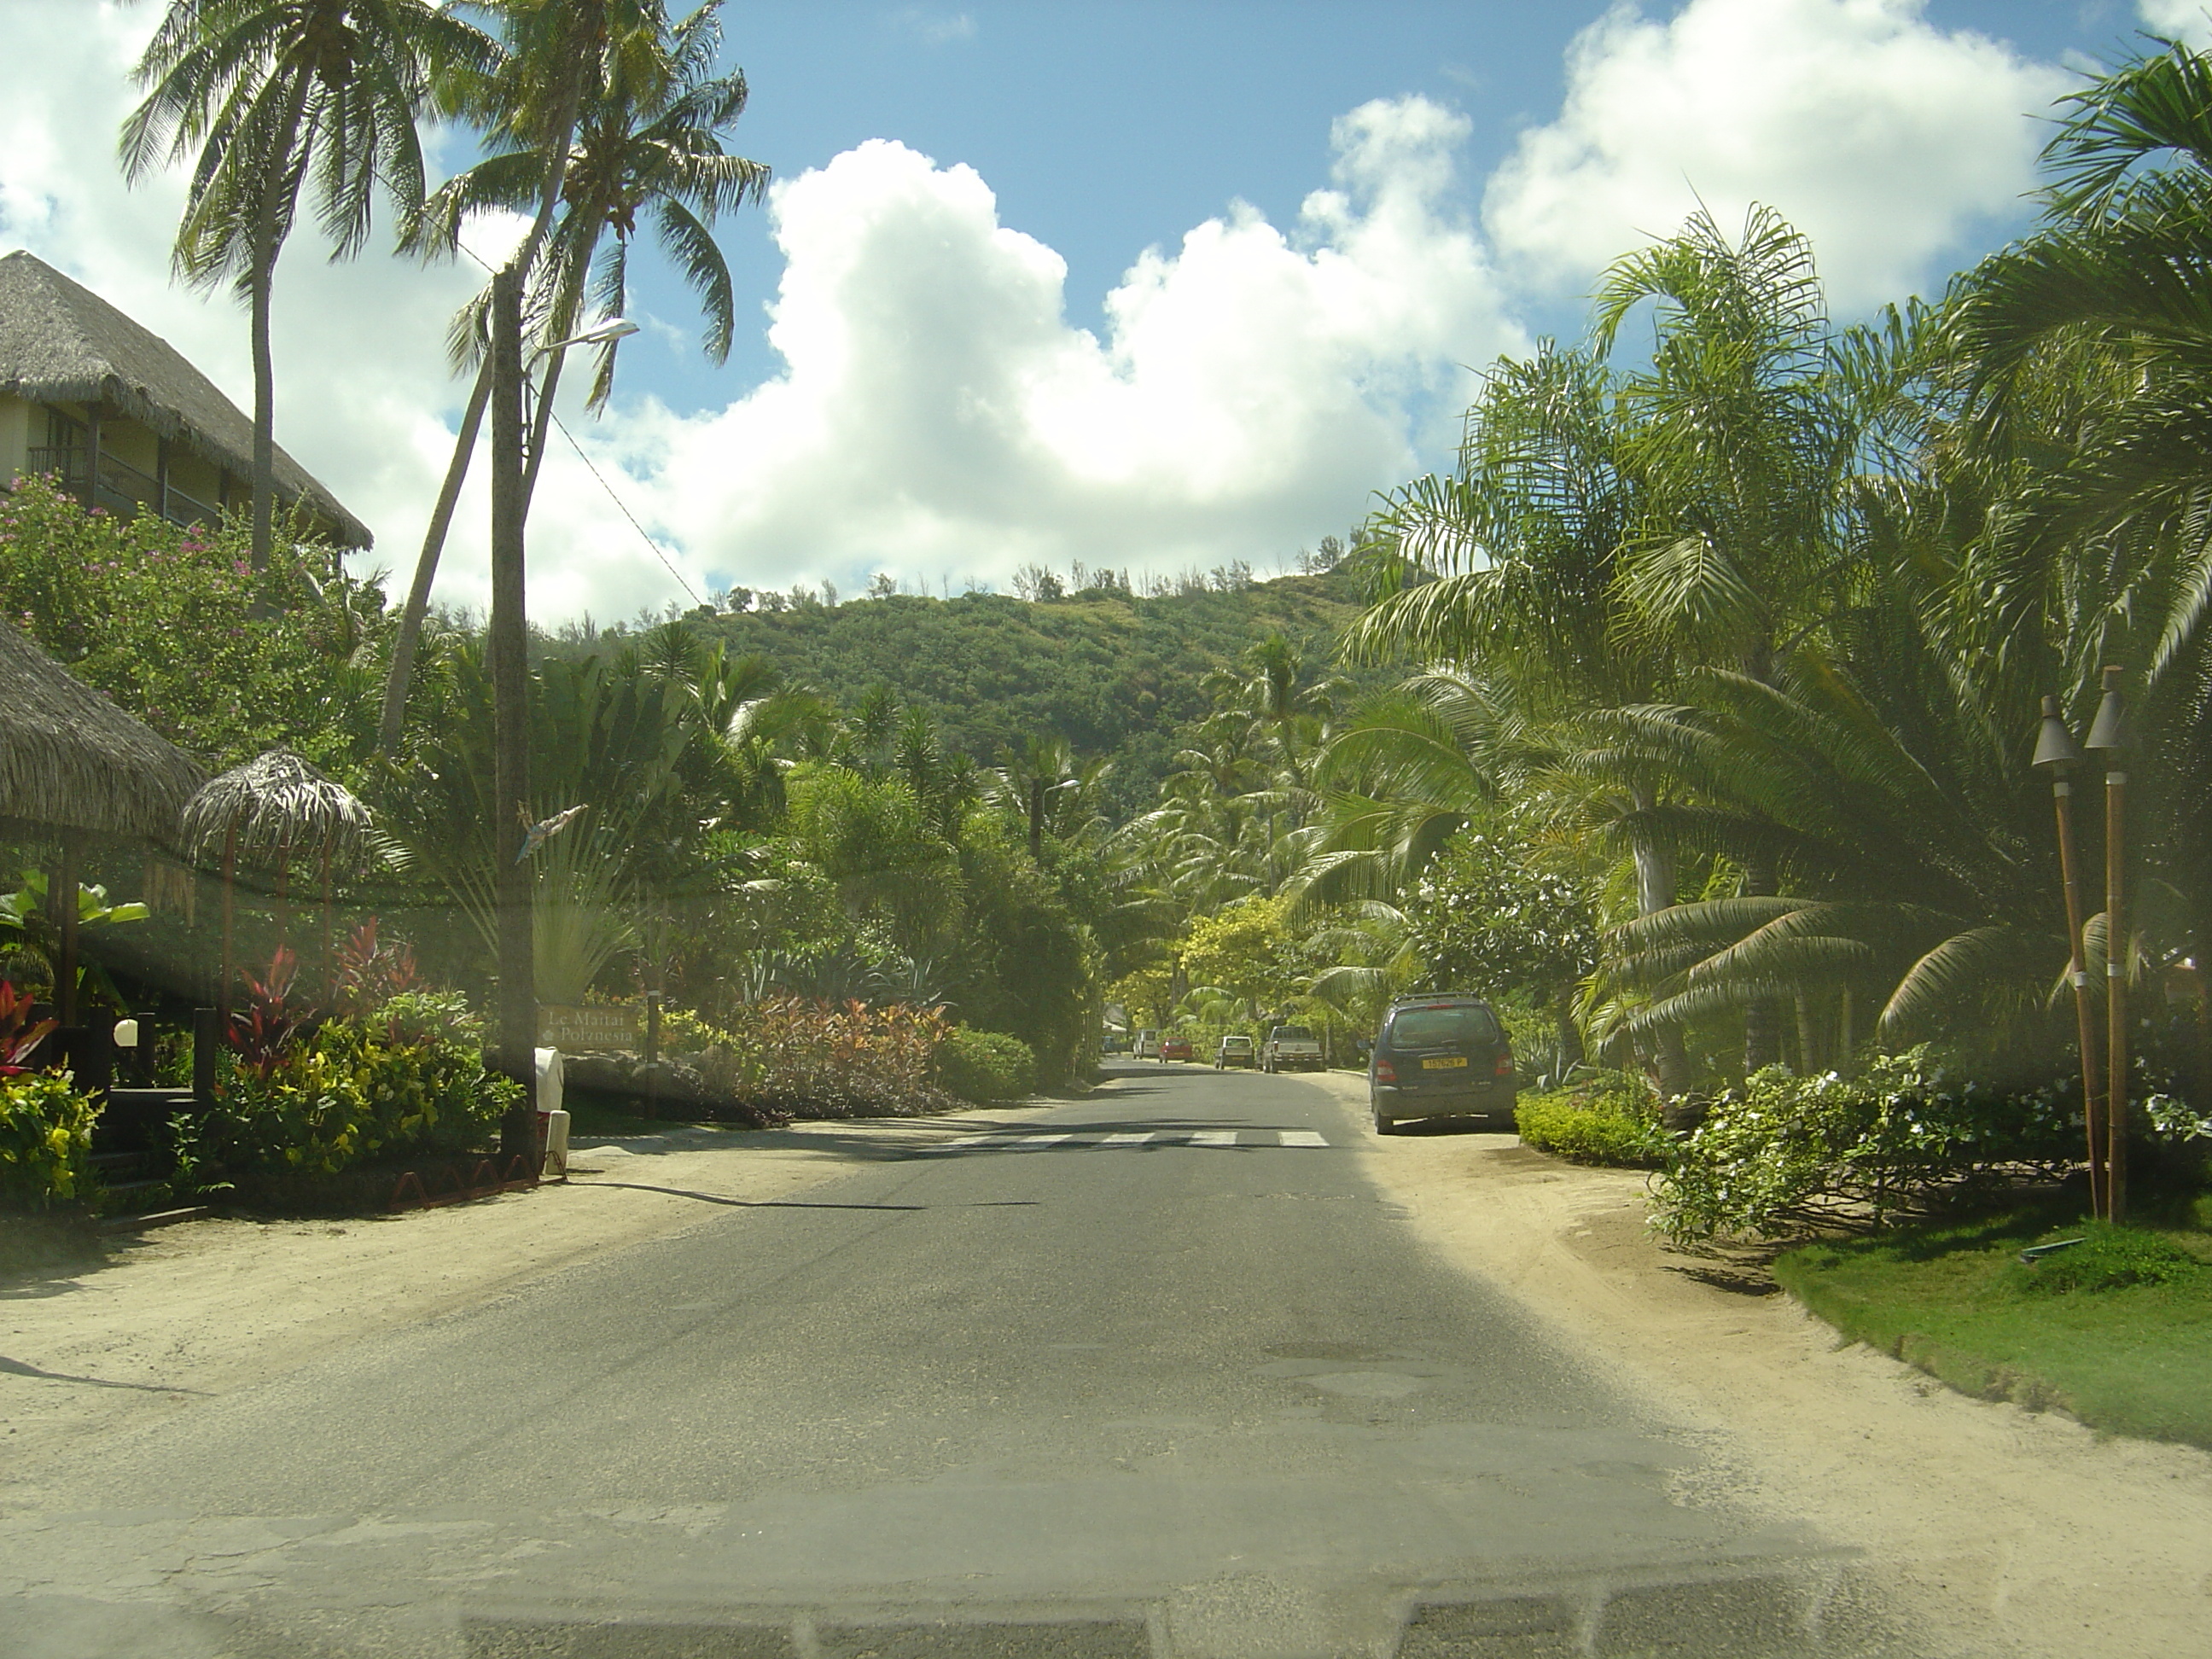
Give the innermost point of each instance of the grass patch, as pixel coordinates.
(1610, 1120)
(2117, 1330)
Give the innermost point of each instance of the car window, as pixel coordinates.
(1293, 1034)
(1437, 1028)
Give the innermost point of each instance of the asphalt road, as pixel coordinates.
(1153, 1374)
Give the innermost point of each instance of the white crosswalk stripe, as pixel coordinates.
(1016, 1141)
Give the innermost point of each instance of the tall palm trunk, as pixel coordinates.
(1655, 892)
(264, 416)
(407, 643)
(1762, 1020)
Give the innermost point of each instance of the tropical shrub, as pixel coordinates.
(1611, 1119)
(1785, 1153)
(786, 1057)
(46, 1140)
(407, 1080)
(984, 1065)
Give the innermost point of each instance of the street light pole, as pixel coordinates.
(508, 645)
(2108, 736)
(2056, 756)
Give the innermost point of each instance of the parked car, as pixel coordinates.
(1148, 1045)
(1173, 1048)
(1290, 1049)
(1236, 1051)
(1445, 1055)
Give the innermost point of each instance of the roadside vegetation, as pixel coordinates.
(1688, 717)
(2116, 1330)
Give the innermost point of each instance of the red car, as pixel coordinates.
(1174, 1048)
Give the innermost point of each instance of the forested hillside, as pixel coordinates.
(1114, 674)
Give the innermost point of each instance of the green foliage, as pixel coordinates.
(1952, 1298)
(1110, 672)
(46, 1141)
(984, 1065)
(1027, 963)
(2108, 1258)
(1785, 1153)
(406, 1081)
(1486, 917)
(786, 1057)
(1613, 1119)
(172, 623)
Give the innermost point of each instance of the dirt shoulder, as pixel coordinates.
(214, 1305)
(2019, 1532)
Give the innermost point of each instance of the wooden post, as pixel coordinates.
(2077, 975)
(162, 476)
(207, 1036)
(91, 456)
(229, 916)
(61, 895)
(2116, 997)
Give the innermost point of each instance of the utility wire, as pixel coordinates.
(626, 512)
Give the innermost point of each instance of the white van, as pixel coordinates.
(1148, 1045)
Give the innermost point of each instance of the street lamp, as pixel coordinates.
(605, 333)
(2108, 736)
(2055, 757)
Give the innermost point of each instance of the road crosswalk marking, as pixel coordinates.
(1018, 1141)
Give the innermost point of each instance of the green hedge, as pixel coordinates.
(46, 1141)
(984, 1065)
(1611, 1119)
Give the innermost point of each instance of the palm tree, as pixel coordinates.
(646, 139)
(264, 95)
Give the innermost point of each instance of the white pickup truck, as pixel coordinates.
(1290, 1048)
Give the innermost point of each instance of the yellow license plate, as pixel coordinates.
(1444, 1065)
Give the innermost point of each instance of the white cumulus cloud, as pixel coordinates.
(938, 413)
(2177, 19)
(1889, 140)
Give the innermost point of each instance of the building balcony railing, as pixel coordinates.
(121, 488)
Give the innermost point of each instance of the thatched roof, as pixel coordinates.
(61, 342)
(280, 808)
(70, 759)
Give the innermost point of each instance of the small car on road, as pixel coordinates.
(1443, 1055)
(1147, 1046)
(1290, 1049)
(1174, 1047)
(1236, 1051)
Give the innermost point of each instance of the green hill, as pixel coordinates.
(1114, 674)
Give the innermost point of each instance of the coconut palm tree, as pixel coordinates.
(264, 96)
(634, 86)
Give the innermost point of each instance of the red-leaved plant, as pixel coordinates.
(369, 972)
(264, 1030)
(20, 1034)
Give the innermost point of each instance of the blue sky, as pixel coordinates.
(1144, 285)
(1105, 129)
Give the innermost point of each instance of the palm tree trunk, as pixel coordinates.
(541, 427)
(1762, 1032)
(264, 413)
(1655, 892)
(508, 646)
(408, 641)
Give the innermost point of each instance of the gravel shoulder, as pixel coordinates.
(2016, 1531)
(209, 1306)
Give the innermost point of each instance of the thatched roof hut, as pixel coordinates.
(273, 809)
(61, 342)
(71, 760)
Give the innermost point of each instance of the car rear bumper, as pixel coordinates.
(1490, 1098)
